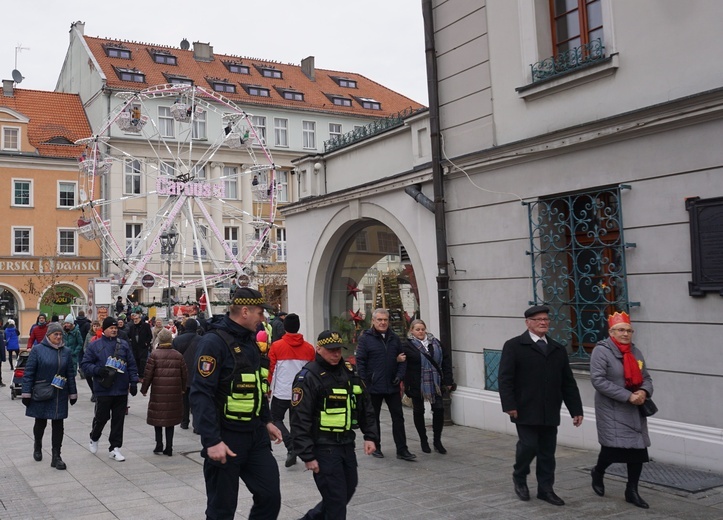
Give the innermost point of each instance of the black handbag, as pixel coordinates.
(42, 391)
(648, 408)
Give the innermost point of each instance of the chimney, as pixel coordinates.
(202, 51)
(78, 26)
(307, 67)
(8, 87)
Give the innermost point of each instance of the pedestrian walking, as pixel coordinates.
(48, 387)
(140, 338)
(231, 413)
(534, 379)
(38, 331)
(622, 383)
(186, 343)
(166, 376)
(329, 401)
(12, 342)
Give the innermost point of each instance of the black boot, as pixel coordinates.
(38, 450)
(169, 441)
(598, 486)
(437, 425)
(632, 496)
(159, 441)
(56, 461)
(422, 431)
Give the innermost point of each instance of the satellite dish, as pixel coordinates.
(17, 77)
(185, 45)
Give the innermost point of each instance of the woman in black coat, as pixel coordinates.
(428, 376)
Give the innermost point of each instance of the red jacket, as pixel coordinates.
(286, 357)
(37, 333)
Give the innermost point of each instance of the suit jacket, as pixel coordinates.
(536, 384)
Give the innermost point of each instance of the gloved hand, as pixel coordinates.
(73, 401)
(104, 372)
(26, 401)
(396, 381)
(134, 389)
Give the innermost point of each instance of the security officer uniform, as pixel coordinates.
(327, 403)
(230, 405)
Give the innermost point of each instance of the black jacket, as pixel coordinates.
(83, 325)
(536, 384)
(186, 343)
(213, 372)
(311, 385)
(413, 376)
(144, 339)
(376, 361)
(277, 330)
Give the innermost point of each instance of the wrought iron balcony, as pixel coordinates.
(375, 127)
(569, 60)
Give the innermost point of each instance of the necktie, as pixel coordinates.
(543, 345)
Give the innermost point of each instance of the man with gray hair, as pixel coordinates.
(382, 364)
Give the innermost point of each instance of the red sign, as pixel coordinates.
(148, 281)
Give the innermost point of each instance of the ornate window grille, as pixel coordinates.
(577, 254)
(571, 59)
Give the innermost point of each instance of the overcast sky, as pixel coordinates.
(381, 39)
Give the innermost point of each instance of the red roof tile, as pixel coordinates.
(51, 115)
(315, 92)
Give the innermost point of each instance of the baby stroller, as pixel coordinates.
(16, 387)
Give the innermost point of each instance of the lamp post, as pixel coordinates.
(169, 239)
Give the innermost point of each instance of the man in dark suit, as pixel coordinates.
(534, 379)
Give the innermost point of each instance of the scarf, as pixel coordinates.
(430, 379)
(631, 369)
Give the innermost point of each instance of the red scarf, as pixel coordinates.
(631, 369)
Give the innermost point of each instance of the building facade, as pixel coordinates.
(278, 111)
(45, 266)
(581, 171)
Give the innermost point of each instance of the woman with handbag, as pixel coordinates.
(428, 376)
(48, 385)
(623, 388)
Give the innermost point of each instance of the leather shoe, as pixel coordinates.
(522, 491)
(378, 454)
(405, 455)
(598, 485)
(632, 497)
(290, 459)
(551, 498)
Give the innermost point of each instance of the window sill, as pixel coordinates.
(569, 79)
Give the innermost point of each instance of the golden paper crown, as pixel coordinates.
(617, 319)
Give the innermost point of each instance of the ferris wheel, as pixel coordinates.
(166, 156)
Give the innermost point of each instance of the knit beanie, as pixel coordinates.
(109, 322)
(292, 323)
(165, 337)
(53, 328)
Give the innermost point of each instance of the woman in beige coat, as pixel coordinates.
(166, 375)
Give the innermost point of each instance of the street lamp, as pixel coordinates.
(169, 239)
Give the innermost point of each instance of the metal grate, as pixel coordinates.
(492, 368)
(676, 477)
(569, 60)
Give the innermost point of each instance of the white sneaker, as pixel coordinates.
(93, 446)
(116, 455)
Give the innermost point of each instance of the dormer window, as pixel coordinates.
(256, 90)
(339, 101)
(236, 67)
(117, 51)
(134, 75)
(290, 94)
(178, 80)
(164, 57)
(222, 85)
(369, 103)
(344, 82)
(269, 72)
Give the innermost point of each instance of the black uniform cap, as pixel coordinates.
(329, 339)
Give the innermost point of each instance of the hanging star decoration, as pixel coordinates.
(352, 289)
(356, 317)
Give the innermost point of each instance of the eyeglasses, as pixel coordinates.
(623, 331)
(539, 319)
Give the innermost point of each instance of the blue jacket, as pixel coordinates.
(376, 361)
(44, 362)
(11, 337)
(95, 357)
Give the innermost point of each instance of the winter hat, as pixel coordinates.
(329, 339)
(122, 317)
(191, 325)
(165, 337)
(53, 328)
(69, 319)
(262, 336)
(292, 323)
(109, 322)
(11, 322)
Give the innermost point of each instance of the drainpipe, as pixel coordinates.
(445, 328)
